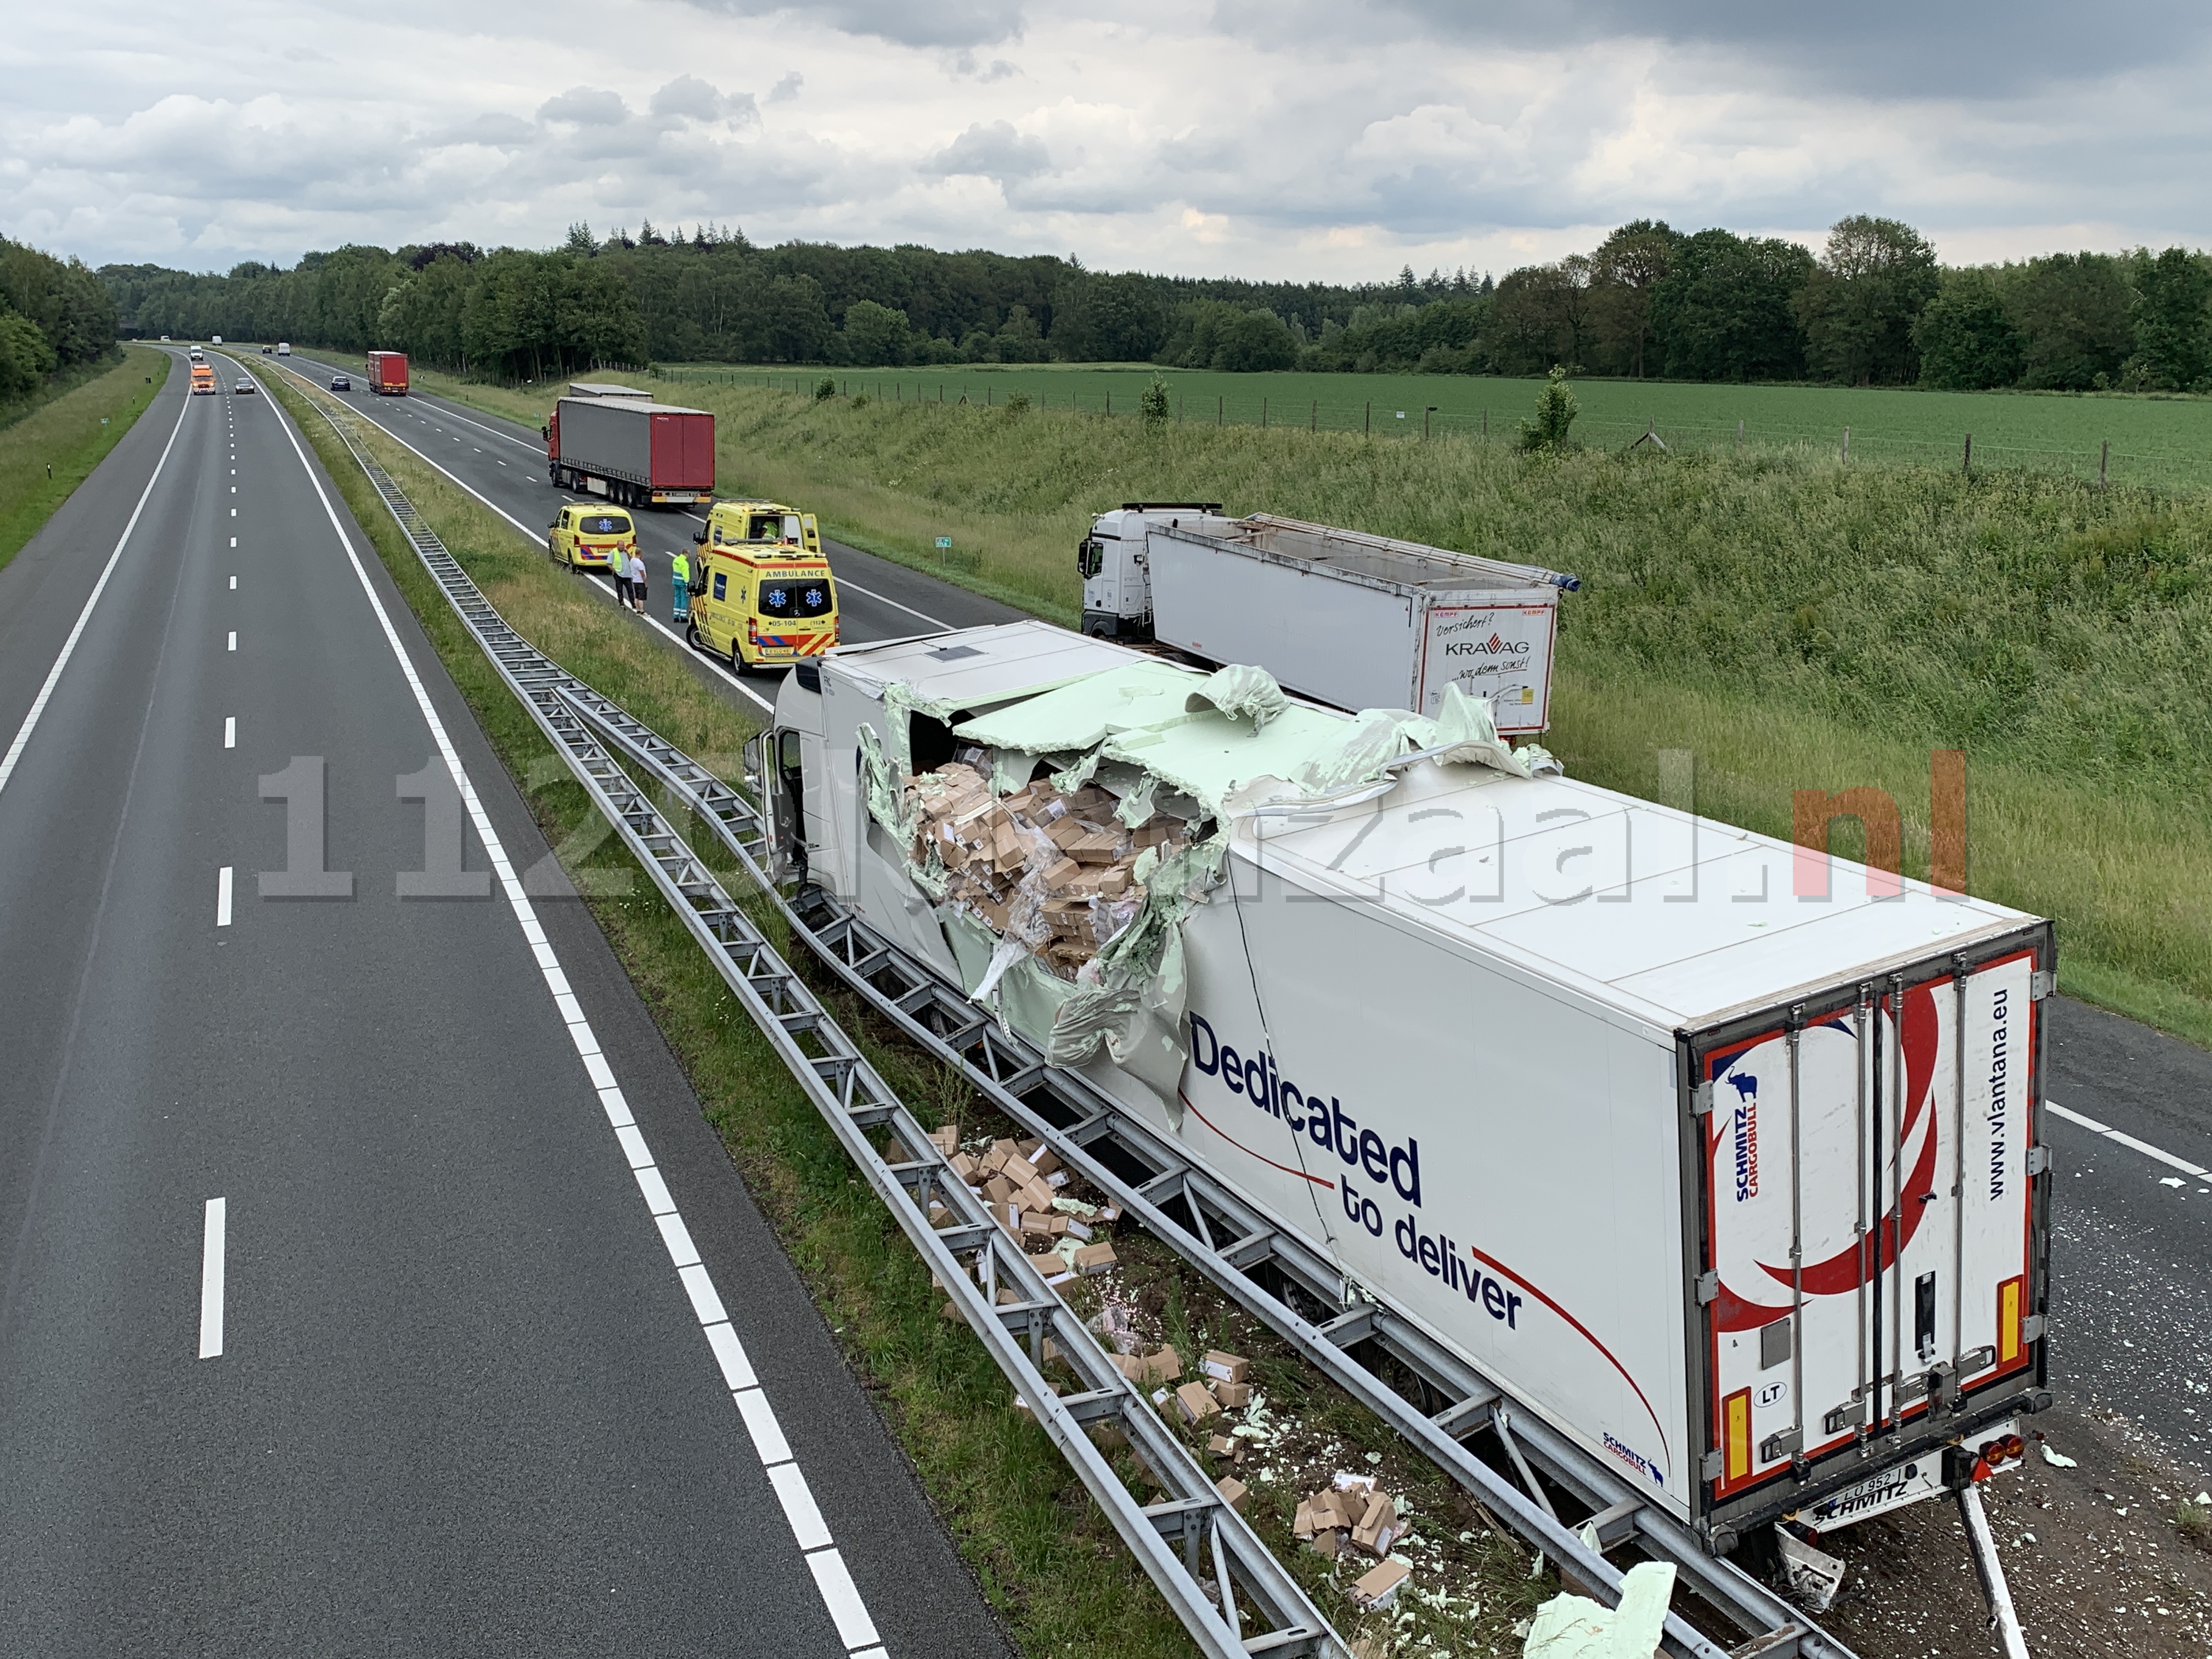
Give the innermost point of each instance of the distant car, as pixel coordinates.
(269, 351)
(341, 383)
(243, 385)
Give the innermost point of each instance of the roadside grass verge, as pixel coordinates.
(50, 443)
(1045, 1557)
(1794, 623)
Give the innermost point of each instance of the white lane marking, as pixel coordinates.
(799, 1508)
(835, 1580)
(230, 730)
(233, 512)
(880, 598)
(233, 541)
(808, 1529)
(234, 639)
(233, 584)
(222, 897)
(2129, 1141)
(69, 646)
(212, 1228)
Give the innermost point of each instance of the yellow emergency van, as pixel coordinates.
(582, 536)
(761, 593)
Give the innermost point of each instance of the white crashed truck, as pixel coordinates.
(1339, 616)
(1722, 1155)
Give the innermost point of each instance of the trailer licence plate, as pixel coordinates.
(1892, 1488)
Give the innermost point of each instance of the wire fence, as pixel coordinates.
(2100, 463)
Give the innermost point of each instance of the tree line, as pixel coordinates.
(1872, 307)
(55, 315)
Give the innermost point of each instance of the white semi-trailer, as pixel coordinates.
(1349, 619)
(1722, 1155)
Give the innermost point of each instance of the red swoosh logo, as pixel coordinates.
(1247, 1151)
(1502, 1271)
(1852, 1266)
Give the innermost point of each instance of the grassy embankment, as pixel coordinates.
(1043, 1555)
(50, 441)
(1794, 623)
(2159, 438)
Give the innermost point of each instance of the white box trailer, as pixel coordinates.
(1354, 620)
(1732, 1174)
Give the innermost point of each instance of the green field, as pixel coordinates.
(1795, 622)
(2161, 441)
(52, 446)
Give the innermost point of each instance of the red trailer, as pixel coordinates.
(632, 450)
(387, 374)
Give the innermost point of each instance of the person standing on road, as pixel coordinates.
(637, 581)
(618, 567)
(679, 587)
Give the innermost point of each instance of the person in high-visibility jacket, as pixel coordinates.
(680, 587)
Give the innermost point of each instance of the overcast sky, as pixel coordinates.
(1324, 139)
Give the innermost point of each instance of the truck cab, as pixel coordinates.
(761, 593)
(1115, 563)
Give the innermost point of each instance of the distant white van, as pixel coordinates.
(217, 338)
(283, 348)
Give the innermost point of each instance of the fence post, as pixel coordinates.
(1738, 437)
(1485, 426)
(1313, 420)
(1367, 421)
(2103, 461)
(1109, 402)
(1967, 464)
(1847, 443)
(1217, 411)
(1263, 412)
(1425, 414)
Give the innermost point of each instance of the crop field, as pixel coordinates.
(2164, 441)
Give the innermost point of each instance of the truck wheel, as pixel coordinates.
(692, 635)
(736, 658)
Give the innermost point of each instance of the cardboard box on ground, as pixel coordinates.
(1055, 870)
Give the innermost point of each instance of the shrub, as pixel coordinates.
(1153, 404)
(1555, 411)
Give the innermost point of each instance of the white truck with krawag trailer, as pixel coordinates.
(1345, 619)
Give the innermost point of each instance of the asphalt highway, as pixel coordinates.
(370, 1282)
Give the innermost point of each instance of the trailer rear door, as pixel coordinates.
(1870, 1248)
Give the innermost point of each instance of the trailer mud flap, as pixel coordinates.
(1869, 1216)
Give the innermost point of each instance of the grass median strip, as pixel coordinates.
(49, 448)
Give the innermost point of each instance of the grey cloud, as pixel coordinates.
(996, 152)
(963, 63)
(586, 106)
(944, 23)
(1876, 48)
(788, 89)
(687, 95)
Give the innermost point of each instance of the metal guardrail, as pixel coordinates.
(1276, 1277)
(1230, 1593)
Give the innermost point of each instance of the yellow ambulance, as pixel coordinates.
(761, 593)
(584, 534)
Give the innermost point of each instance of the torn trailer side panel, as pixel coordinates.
(1450, 1025)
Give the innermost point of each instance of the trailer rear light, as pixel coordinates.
(1993, 1455)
